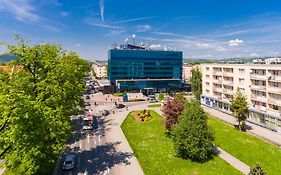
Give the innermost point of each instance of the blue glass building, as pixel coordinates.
(136, 68)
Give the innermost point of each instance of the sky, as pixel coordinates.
(202, 29)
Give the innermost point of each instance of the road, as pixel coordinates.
(95, 152)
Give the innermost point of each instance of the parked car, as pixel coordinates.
(153, 100)
(87, 104)
(119, 106)
(105, 112)
(69, 162)
(87, 97)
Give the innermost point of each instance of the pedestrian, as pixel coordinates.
(127, 108)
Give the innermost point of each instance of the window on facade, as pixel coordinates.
(241, 70)
(275, 72)
(242, 90)
(207, 91)
(275, 84)
(274, 107)
(207, 83)
(207, 68)
(207, 76)
(263, 83)
(241, 80)
(264, 104)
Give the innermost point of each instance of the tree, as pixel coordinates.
(256, 170)
(172, 110)
(161, 96)
(239, 107)
(196, 83)
(192, 137)
(35, 103)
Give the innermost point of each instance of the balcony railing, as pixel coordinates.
(276, 90)
(218, 81)
(259, 98)
(259, 88)
(275, 78)
(217, 72)
(217, 89)
(258, 76)
(227, 73)
(274, 100)
(228, 91)
(228, 82)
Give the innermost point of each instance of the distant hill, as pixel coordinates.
(7, 58)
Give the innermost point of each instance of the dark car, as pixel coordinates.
(105, 112)
(119, 106)
(87, 97)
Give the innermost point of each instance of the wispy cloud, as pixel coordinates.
(77, 45)
(235, 42)
(97, 23)
(133, 19)
(102, 9)
(21, 9)
(143, 28)
(64, 14)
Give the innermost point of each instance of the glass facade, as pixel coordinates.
(139, 69)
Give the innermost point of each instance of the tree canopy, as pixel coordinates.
(35, 103)
(192, 137)
(196, 83)
(256, 170)
(239, 107)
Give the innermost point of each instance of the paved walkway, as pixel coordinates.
(115, 134)
(1, 169)
(236, 163)
(256, 130)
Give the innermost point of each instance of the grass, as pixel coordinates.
(155, 151)
(247, 148)
(157, 105)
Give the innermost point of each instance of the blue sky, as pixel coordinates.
(201, 28)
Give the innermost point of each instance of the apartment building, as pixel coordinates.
(261, 83)
(186, 70)
(100, 69)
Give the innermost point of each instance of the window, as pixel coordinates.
(207, 83)
(207, 68)
(275, 84)
(207, 76)
(275, 72)
(242, 90)
(275, 107)
(207, 91)
(241, 80)
(241, 70)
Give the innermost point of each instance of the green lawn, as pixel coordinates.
(155, 151)
(247, 148)
(157, 105)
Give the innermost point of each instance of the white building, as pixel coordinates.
(261, 83)
(100, 70)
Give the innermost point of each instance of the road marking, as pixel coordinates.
(80, 145)
(88, 137)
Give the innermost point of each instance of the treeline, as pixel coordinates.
(36, 100)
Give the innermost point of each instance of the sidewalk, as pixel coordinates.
(115, 134)
(256, 130)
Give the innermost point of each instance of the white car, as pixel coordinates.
(69, 161)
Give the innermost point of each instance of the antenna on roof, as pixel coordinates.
(134, 38)
(126, 41)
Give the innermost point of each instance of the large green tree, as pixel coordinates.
(192, 136)
(239, 107)
(35, 103)
(257, 170)
(196, 82)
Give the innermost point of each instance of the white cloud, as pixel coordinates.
(204, 45)
(102, 9)
(21, 9)
(134, 19)
(155, 46)
(64, 14)
(254, 54)
(77, 45)
(235, 42)
(143, 28)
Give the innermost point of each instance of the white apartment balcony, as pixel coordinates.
(273, 112)
(217, 72)
(276, 90)
(230, 74)
(228, 91)
(218, 81)
(274, 100)
(258, 88)
(258, 108)
(276, 78)
(258, 76)
(217, 89)
(228, 82)
(259, 98)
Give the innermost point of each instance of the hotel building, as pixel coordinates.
(261, 83)
(135, 68)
